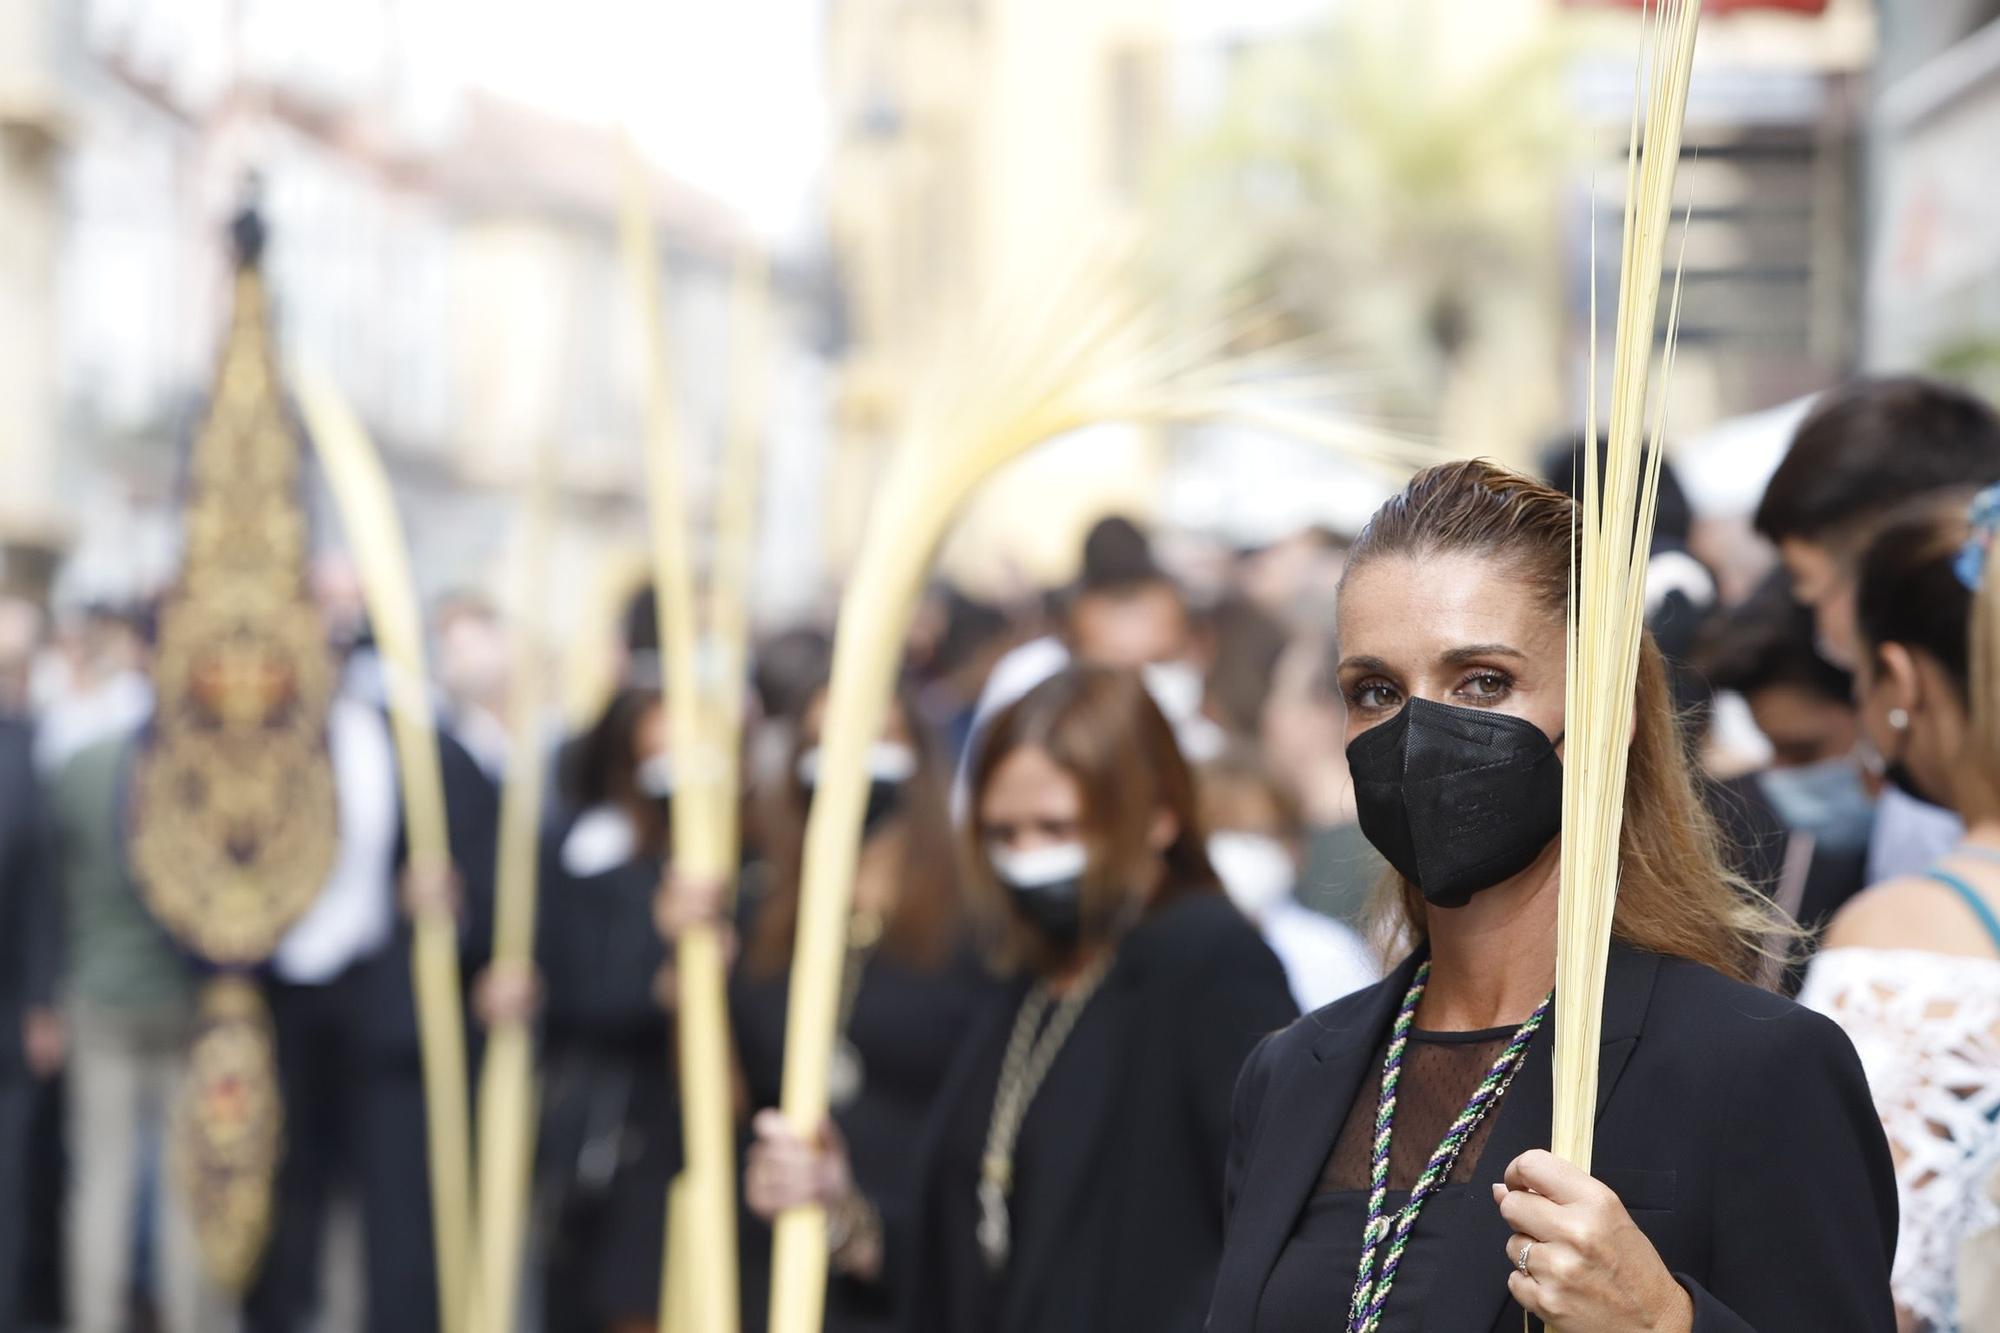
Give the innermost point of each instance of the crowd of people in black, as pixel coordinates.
(1116, 843)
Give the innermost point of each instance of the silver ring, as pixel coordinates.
(1521, 1259)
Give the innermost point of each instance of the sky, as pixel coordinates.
(727, 95)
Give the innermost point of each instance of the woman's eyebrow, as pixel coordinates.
(1364, 664)
(1474, 652)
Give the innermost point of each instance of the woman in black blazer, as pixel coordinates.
(1740, 1179)
(1071, 1175)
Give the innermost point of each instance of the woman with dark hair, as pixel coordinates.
(1911, 967)
(611, 1138)
(1681, 592)
(1387, 1161)
(1071, 1175)
(912, 983)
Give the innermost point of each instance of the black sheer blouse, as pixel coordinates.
(1313, 1283)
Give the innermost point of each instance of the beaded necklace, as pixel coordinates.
(1022, 1069)
(847, 1076)
(1371, 1291)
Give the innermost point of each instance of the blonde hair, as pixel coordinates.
(1677, 894)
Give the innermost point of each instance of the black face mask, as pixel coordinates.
(890, 768)
(885, 802)
(1456, 799)
(1056, 912)
(1045, 888)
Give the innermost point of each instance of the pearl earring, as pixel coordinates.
(1899, 720)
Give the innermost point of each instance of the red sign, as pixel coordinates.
(1712, 6)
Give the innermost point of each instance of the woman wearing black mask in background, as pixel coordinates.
(1742, 1182)
(1072, 1173)
(912, 983)
(1911, 967)
(611, 1137)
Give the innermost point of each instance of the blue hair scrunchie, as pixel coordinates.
(1985, 521)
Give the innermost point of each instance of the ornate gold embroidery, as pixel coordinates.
(234, 814)
(234, 797)
(229, 1128)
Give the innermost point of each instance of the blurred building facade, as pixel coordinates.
(450, 257)
(32, 133)
(1934, 273)
(967, 135)
(1772, 186)
(964, 130)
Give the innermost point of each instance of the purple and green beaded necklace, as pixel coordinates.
(1371, 1291)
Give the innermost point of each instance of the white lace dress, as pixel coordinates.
(1927, 1027)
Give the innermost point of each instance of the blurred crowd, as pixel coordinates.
(1180, 700)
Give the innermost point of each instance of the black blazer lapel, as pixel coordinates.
(1628, 993)
(1301, 1116)
(1472, 1288)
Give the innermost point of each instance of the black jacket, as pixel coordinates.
(386, 990)
(30, 917)
(610, 1136)
(1129, 1142)
(1735, 1126)
(908, 1026)
(600, 955)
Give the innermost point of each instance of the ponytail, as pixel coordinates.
(1979, 561)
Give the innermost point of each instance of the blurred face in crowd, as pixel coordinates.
(624, 758)
(1147, 628)
(892, 762)
(1803, 726)
(1080, 801)
(1252, 842)
(895, 731)
(1300, 568)
(1454, 629)
(1914, 719)
(473, 659)
(1131, 628)
(651, 735)
(1244, 807)
(1825, 582)
(1031, 803)
(336, 588)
